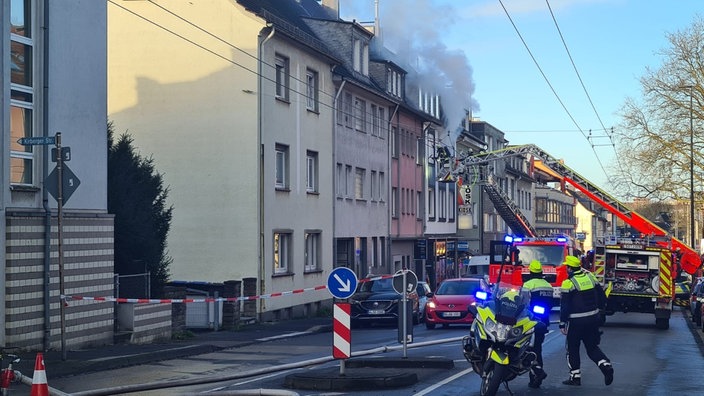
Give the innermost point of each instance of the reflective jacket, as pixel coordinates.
(541, 295)
(581, 297)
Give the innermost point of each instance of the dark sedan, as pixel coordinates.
(376, 302)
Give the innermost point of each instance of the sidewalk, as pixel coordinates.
(110, 357)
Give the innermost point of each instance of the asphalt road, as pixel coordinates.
(647, 361)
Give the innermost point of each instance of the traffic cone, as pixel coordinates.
(39, 385)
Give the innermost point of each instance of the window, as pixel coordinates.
(282, 77)
(311, 171)
(22, 92)
(374, 186)
(382, 186)
(360, 56)
(348, 110)
(340, 180)
(360, 115)
(281, 176)
(312, 251)
(282, 252)
(431, 203)
(312, 90)
(419, 151)
(419, 201)
(394, 142)
(348, 180)
(359, 177)
(394, 202)
(375, 121)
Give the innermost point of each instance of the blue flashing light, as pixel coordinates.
(562, 239)
(480, 295)
(518, 239)
(539, 310)
(508, 238)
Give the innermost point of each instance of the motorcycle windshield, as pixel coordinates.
(510, 302)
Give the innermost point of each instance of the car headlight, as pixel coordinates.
(431, 305)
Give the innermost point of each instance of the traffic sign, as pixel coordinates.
(65, 154)
(70, 184)
(411, 282)
(34, 140)
(342, 338)
(342, 282)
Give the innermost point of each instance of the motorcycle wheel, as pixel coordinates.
(492, 380)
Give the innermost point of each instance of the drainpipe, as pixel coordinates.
(334, 165)
(387, 248)
(262, 237)
(45, 171)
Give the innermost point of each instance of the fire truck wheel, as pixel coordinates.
(662, 323)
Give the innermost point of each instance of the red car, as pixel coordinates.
(448, 305)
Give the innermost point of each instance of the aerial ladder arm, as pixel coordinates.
(689, 258)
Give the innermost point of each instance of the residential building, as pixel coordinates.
(406, 144)
(234, 102)
(53, 91)
(361, 150)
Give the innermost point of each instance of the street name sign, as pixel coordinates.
(36, 140)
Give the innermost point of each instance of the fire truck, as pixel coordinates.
(638, 273)
(550, 251)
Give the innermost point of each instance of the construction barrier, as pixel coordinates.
(206, 300)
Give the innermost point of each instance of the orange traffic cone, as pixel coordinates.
(39, 385)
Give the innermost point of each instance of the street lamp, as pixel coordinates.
(691, 167)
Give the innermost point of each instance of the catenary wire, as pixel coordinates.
(551, 86)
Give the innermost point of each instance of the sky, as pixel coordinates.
(522, 79)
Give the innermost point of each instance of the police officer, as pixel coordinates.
(581, 299)
(541, 295)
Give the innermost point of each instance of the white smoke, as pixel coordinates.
(412, 29)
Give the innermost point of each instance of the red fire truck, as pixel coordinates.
(550, 251)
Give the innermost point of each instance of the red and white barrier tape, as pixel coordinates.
(206, 300)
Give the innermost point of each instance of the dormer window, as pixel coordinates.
(360, 56)
(394, 83)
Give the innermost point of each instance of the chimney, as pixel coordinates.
(332, 7)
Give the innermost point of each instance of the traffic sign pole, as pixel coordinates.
(60, 206)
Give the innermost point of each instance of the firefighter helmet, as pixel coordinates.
(535, 267)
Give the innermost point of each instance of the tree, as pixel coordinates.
(137, 198)
(653, 142)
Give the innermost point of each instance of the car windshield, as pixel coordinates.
(465, 288)
(546, 254)
(378, 285)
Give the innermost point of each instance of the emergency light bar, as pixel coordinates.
(513, 239)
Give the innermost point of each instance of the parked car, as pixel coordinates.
(450, 302)
(376, 302)
(423, 290)
(695, 302)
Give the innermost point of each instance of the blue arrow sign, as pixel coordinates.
(32, 140)
(342, 282)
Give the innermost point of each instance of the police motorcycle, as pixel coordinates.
(498, 346)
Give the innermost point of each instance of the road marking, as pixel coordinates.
(287, 335)
(441, 383)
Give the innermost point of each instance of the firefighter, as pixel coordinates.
(582, 298)
(541, 295)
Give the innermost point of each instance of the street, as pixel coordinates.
(647, 361)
